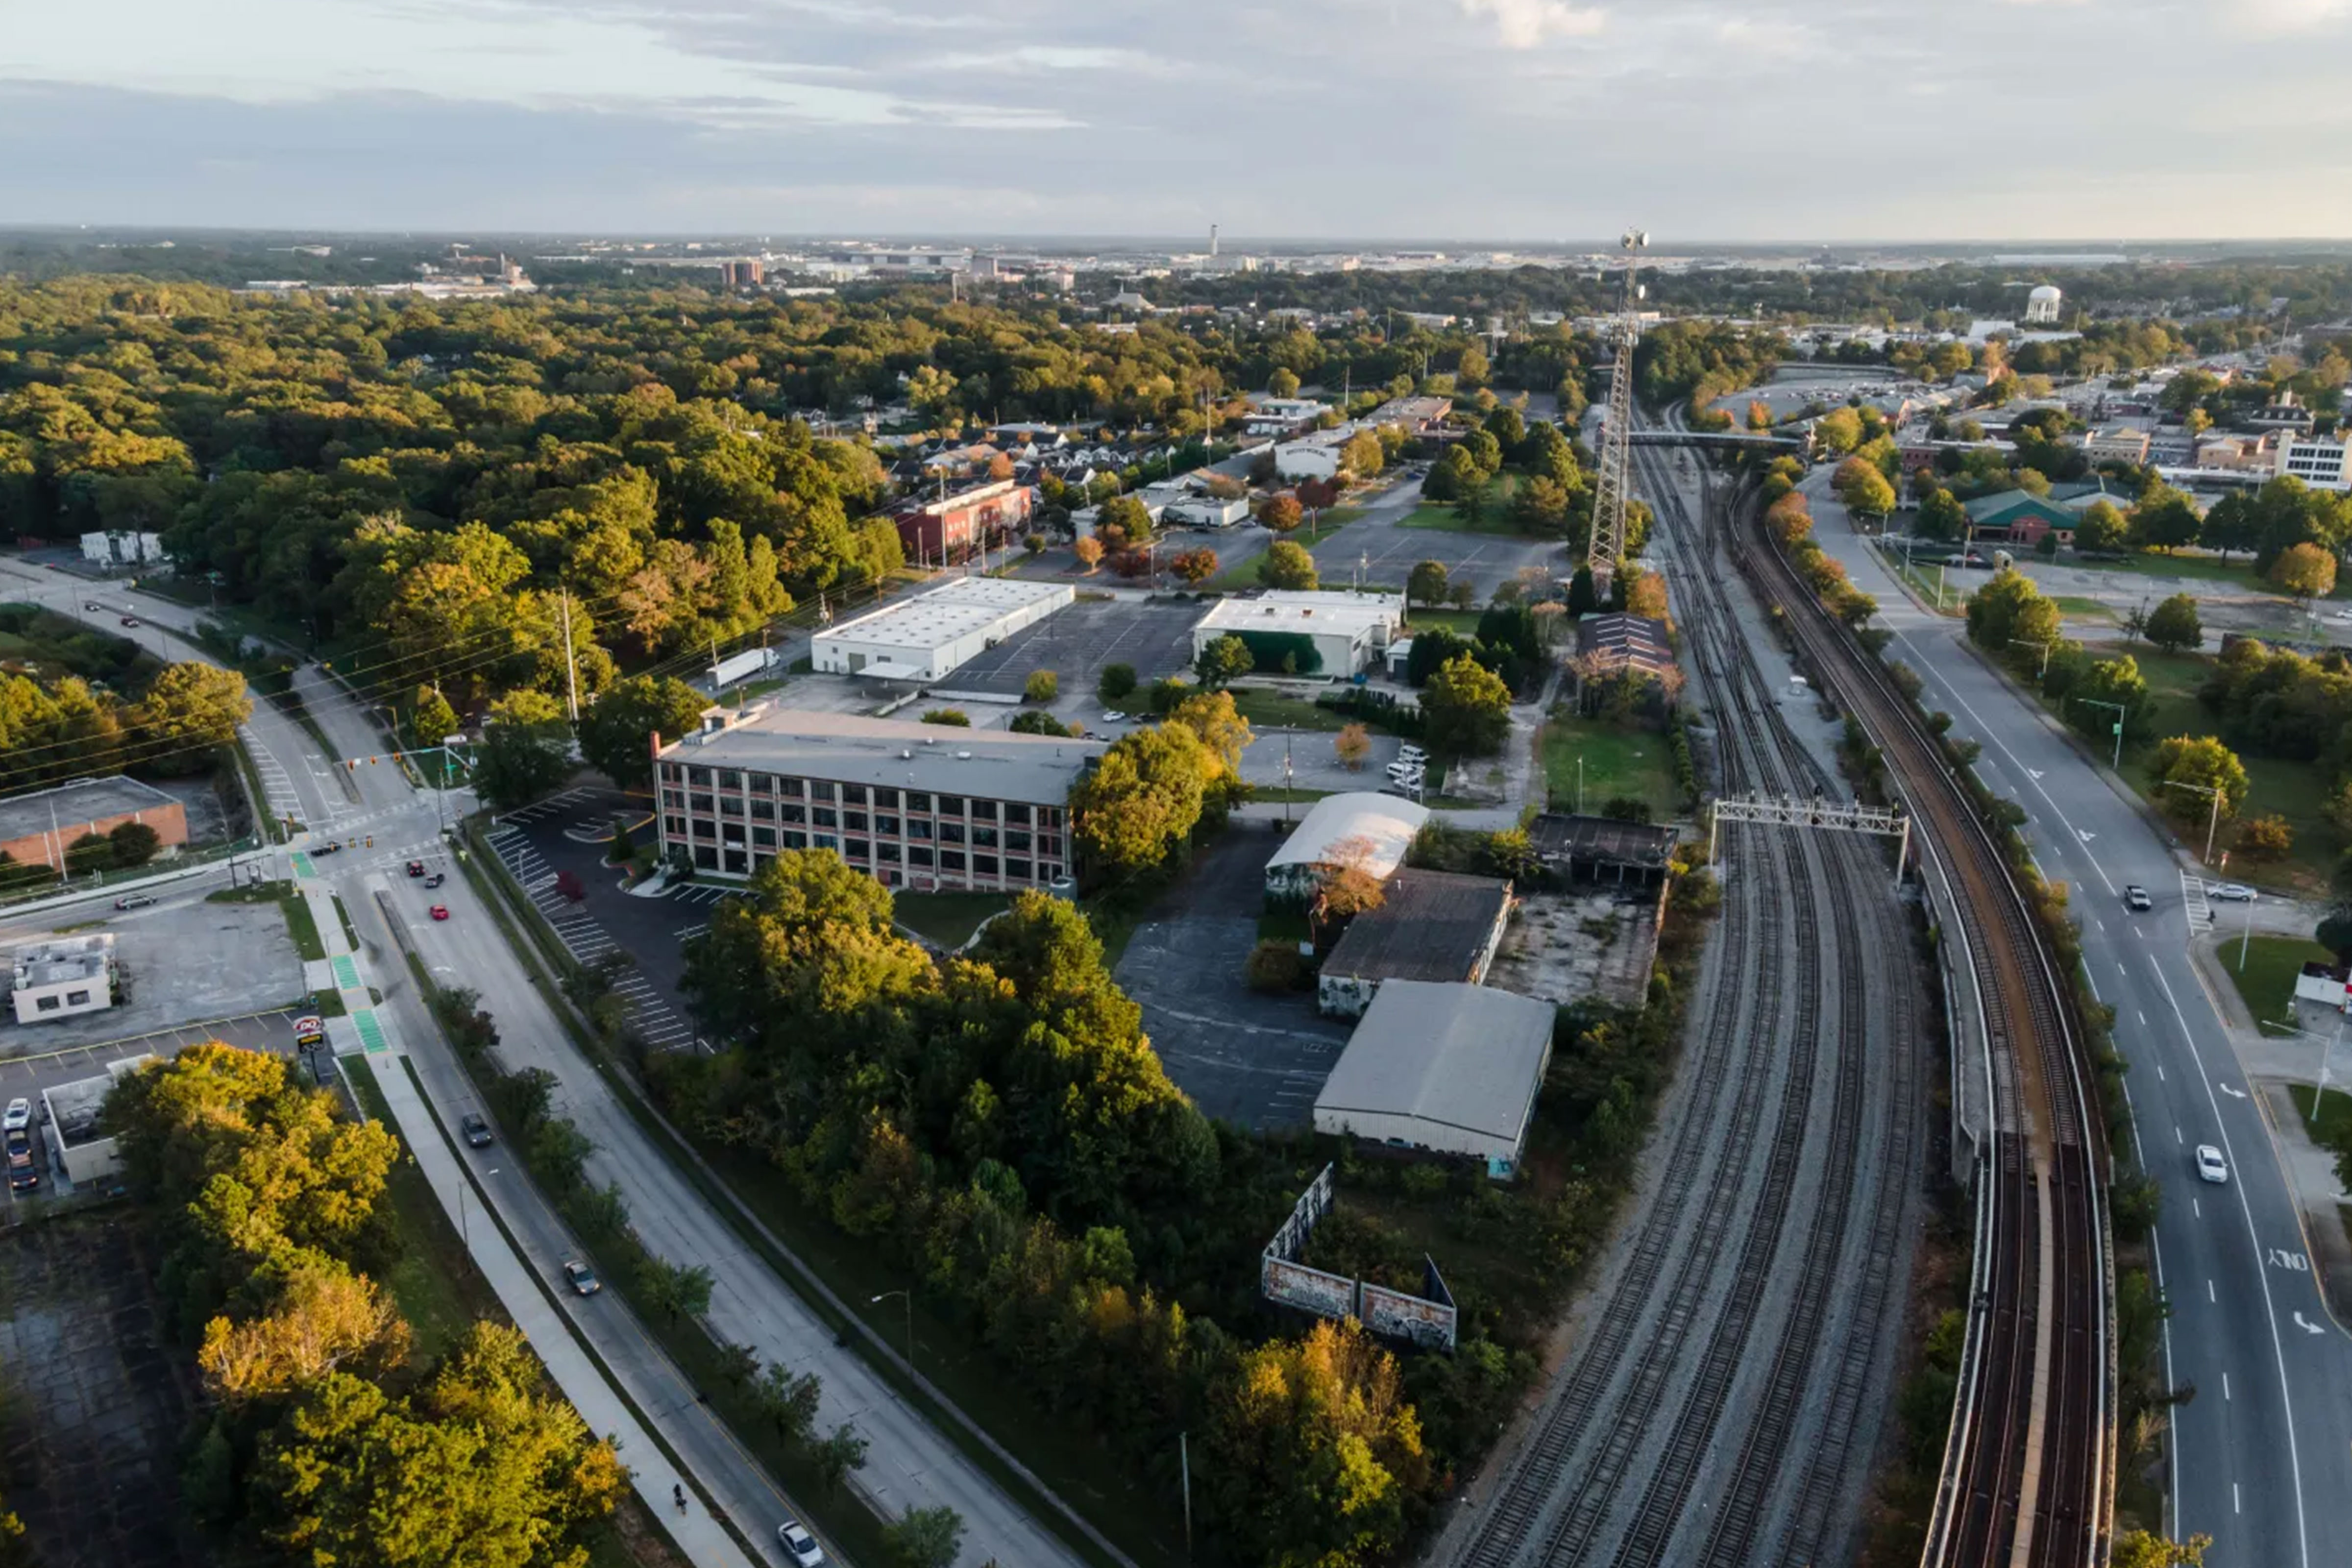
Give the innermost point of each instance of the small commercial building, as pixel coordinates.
(936, 532)
(1282, 416)
(2324, 985)
(1602, 848)
(1312, 460)
(923, 639)
(913, 805)
(84, 1148)
(1206, 512)
(1333, 635)
(1431, 925)
(62, 978)
(2115, 444)
(1415, 416)
(122, 547)
(2020, 518)
(37, 828)
(1369, 832)
(1451, 1068)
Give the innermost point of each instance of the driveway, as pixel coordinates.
(1257, 1061)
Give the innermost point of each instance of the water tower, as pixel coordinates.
(2042, 305)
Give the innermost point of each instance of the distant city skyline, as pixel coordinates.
(1516, 121)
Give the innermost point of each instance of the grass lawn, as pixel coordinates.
(301, 927)
(1276, 795)
(2079, 608)
(2267, 985)
(947, 919)
(2335, 1111)
(1445, 519)
(1617, 762)
(1461, 622)
(2204, 568)
(438, 1288)
(1273, 710)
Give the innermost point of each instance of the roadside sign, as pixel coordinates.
(309, 1030)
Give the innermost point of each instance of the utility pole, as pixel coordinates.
(1184, 1464)
(1616, 440)
(571, 665)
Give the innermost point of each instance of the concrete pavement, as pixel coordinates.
(2261, 1458)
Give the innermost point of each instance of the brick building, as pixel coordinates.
(953, 527)
(39, 827)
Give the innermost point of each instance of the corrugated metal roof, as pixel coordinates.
(1388, 821)
(1457, 1056)
(1432, 926)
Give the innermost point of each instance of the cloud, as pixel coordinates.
(1526, 24)
(1771, 38)
(2272, 18)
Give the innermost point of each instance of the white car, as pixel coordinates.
(1113, 716)
(1412, 755)
(2210, 1164)
(19, 1117)
(2234, 892)
(799, 1544)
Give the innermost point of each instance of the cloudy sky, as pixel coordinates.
(1527, 120)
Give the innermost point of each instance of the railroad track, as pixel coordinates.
(1615, 1462)
(2028, 1471)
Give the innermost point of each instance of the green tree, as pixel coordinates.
(1042, 686)
(1037, 721)
(1540, 506)
(2138, 1549)
(1941, 515)
(2102, 527)
(2233, 523)
(837, 1456)
(1362, 456)
(1116, 681)
(789, 1402)
(1222, 659)
(2174, 625)
(2111, 684)
(133, 843)
(1126, 514)
(676, 1289)
(2203, 763)
(2304, 572)
(1465, 708)
(1863, 488)
(430, 717)
(805, 958)
(925, 1537)
(526, 750)
(1426, 583)
(617, 730)
(2009, 609)
(1142, 798)
(2164, 519)
(1282, 383)
(194, 705)
(1287, 565)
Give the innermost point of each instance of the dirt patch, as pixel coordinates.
(1563, 947)
(95, 1405)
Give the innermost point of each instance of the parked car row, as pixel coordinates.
(16, 1138)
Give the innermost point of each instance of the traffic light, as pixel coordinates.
(371, 840)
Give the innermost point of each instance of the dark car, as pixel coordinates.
(23, 1170)
(417, 868)
(130, 620)
(476, 1129)
(436, 879)
(327, 848)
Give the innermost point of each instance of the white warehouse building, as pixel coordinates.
(1451, 1068)
(925, 637)
(1349, 631)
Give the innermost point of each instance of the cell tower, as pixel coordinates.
(1616, 443)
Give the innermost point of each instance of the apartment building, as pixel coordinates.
(2322, 462)
(919, 806)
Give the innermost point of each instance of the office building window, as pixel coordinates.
(820, 789)
(731, 832)
(794, 840)
(885, 823)
(791, 789)
(698, 802)
(827, 841)
(1016, 838)
(983, 811)
(918, 855)
(950, 806)
(951, 832)
(706, 856)
(888, 851)
(705, 830)
(853, 794)
(763, 839)
(730, 779)
(825, 816)
(1016, 870)
(763, 811)
(794, 813)
(1017, 812)
(854, 820)
(918, 800)
(672, 774)
(857, 849)
(984, 836)
(888, 799)
(950, 860)
(983, 865)
(730, 806)
(918, 828)
(698, 776)
(674, 825)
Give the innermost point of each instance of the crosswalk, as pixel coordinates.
(653, 1020)
(277, 786)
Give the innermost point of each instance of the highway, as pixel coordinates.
(2261, 1458)
(909, 1463)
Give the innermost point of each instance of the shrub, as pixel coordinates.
(2265, 838)
(134, 842)
(954, 718)
(1042, 686)
(1274, 966)
(1116, 681)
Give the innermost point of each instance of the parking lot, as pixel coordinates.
(1312, 763)
(1257, 1061)
(180, 959)
(1078, 643)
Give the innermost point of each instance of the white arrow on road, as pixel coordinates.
(2234, 1093)
(2307, 1328)
(2085, 838)
(2036, 772)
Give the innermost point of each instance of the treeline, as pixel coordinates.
(330, 1439)
(52, 730)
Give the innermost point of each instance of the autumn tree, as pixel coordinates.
(1089, 552)
(1352, 744)
(1863, 488)
(320, 1316)
(2140, 1549)
(2200, 764)
(1142, 798)
(1465, 708)
(2305, 572)
(1194, 566)
(1282, 513)
(194, 705)
(1287, 565)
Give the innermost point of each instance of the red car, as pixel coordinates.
(440, 911)
(417, 868)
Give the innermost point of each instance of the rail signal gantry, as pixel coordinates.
(1797, 811)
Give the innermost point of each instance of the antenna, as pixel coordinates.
(1616, 436)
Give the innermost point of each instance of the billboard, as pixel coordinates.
(1295, 1285)
(1429, 1320)
(1426, 1321)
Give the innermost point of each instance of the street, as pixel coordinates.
(2262, 1457)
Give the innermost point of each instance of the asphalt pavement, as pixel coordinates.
(2261, 1458)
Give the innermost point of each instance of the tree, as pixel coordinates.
(2102, 527)
(801, 958)
(1194, 566)
(1222, 659)
(1037, 721)
(1281, 513)
(430, 717)
(1362, 456)
(1941, 515)
(1352, 744)
(1540, 506)
(617, 730)
(1426, 583)
(2305, 572)
(132, 844)
(2010, 609)
(1863, 488)
(678, 1289)
(89, 853)
(1116, 681)
(1042, 686)
(1089, 552)
(2164, 519)
(1646, 595)
(1465, 708)
(1126, 516)
(1282, 383)
(789, 1402)
(194, 705)
(2204, 762)
(2138, 1549)
(321, 1317)
(925, 1537)
(2266, 838)
(950, 718)
(838, 1455)
(1287, 565)
(1142, 797)
(2234, 522)
(2173, 625)
(526, 750)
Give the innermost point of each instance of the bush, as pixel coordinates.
(1116, 681)
(1275, 967)
(2265, 838)
(954, 718)
(1037, 721)
(88, 853)
(1042, 686)
(134, 844)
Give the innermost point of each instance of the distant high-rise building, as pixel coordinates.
(749, 274)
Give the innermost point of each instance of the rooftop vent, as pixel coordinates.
(964, 756)
(907, 756)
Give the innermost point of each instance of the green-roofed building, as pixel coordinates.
(2019, 517)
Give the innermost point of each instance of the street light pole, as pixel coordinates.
(908, 1299)
(2120, 713)
(2045, 646)
(2327, 1051)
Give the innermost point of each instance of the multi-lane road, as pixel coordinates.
(382, 820)
(2261, 1458)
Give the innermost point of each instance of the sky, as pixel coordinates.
(1531, 121)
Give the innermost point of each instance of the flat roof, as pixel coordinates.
(1457, 1056)
(61, 960)
(1345, 615)
(1432, 925)
(1604, 838)
(956, 609)
(1388, 821)
(83, 800)
(995, 764)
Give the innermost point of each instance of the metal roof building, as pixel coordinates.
(924, 637)
(1387, 823)
(1431, 925)
(1447, 1067)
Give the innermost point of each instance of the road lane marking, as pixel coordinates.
(2160, 1072)
(2225, 1385)
(2176, 1138)
(2209, 1290)
(2199, 1206)
(2262, 1276)
(2142, 1018)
